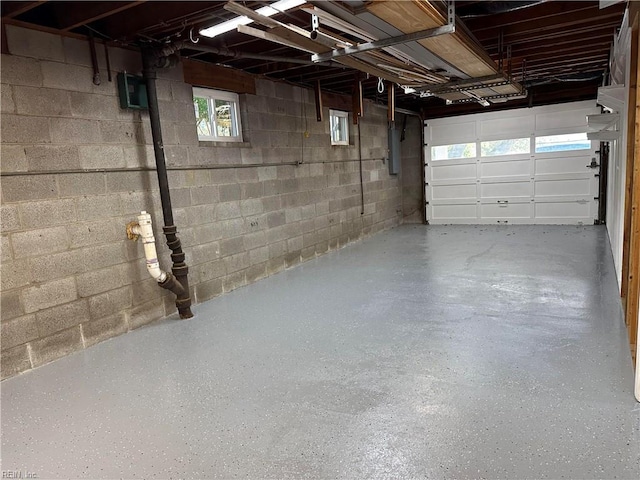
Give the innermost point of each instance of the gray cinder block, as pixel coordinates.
(98, 330)
(49, 102)
(39, 242)
(48, 213)
(145, 313)
(15, 360)
(62, 317)
(9, 218)
(18, 331)
(55, 346)
(14, 274)
(31, 43)
(17, 70)
(109, 303)
(25, 130)
(10, 305)
(49, 294)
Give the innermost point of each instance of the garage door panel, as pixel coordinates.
(505, 189)
(445, 212)
(499, 169)
(549, 210)
(505, 210)
(577, 164)
(506, 127)
(532, 167)
(454, 191)
(461, 132)
(562, 187)
(452, 172)
(453, 201)
(562, 121)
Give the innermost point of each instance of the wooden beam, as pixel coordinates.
(129, 23)
(204, 74)
(42, 28)
(3, 39)
(357, 107)
(633, 294)
(252, 14)
(554, 43)
(70, 17)
(587, 47)
(547, 10)
(631, 112)
(13, 9)
(265, 35)
(391, 102)
(537, 27)
(336, 101)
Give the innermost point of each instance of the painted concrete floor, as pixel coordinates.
(423, 352)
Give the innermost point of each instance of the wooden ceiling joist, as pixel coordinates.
(70, 18)
(13, 9)
(542, 26)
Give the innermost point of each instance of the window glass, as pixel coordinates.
(217, 116)
(203, 121)
(339, 125)
(511, 146)
(560, 143)
(459, 150)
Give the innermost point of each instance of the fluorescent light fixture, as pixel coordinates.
(267, 11)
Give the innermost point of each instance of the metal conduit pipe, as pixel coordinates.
(225, 52)
(150, 62)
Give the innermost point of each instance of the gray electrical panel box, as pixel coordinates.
(394, 149)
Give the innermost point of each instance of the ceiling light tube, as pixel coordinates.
(267, 11)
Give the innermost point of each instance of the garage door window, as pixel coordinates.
(511, 146)
(449, 152)
(562, 143)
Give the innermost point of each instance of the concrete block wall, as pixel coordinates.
(70, 278)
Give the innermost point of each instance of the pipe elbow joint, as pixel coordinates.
(172, 284)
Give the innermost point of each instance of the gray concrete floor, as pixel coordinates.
(423, 352)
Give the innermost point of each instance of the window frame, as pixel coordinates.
(493, 155)
(212, 95)
(474, 144)
(584, 141)
(339, 114)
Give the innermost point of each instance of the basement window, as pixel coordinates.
(217, 115)
(339, 123)
(563, 143)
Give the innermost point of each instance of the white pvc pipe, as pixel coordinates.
(145, 230)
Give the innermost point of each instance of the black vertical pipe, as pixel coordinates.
(602, 184)
(179, 269)
(360, 163)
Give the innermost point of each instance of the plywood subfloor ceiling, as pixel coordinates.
(424, 65)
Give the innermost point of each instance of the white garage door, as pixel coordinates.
(526, 166)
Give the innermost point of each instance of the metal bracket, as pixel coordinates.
(450, 27)
(462, 87)
(315, 22)
(522, 94)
